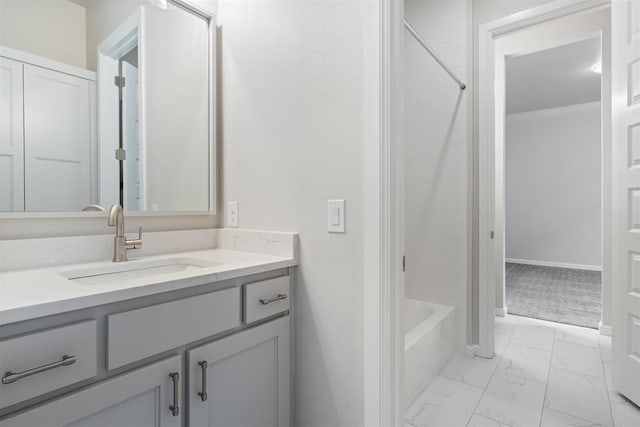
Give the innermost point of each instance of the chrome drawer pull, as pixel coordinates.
(175, 409)
(274, 299)
(203, 393)
(12, 377)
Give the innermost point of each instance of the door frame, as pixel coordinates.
(490, 222)
(383, 274)
(125, 37)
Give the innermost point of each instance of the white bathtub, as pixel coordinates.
(429, 342)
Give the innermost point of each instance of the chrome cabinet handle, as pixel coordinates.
(274, 299)
(11, 377)
(203, 393)
(175, 409)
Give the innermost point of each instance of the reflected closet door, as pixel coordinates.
(11, 137)
(57, 123)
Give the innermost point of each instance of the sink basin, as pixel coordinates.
(134, 270)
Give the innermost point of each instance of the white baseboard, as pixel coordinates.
(470, 350)
(501, 311)
(554, 264)
(605, 330)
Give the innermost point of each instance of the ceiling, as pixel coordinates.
(554, 77)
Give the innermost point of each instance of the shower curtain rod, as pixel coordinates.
(424, 44)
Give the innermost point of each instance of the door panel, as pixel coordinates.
(247, 379)
(57, 125)
(11, 137)
(626, 197)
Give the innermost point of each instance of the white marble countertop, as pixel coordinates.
(36, 292)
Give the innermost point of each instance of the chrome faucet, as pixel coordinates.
(120, 242)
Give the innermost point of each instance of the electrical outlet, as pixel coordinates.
(232, 214)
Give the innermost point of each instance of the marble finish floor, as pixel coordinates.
(544, 374)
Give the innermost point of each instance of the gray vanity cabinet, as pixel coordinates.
(241, 380)
(140, 363)
(148, 396)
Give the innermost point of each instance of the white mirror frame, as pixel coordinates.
(212, 146)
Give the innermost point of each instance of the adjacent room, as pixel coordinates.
(553, 184)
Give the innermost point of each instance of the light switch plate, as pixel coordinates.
(232, 214)
(336, 216)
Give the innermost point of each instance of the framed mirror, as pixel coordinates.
(107, 101)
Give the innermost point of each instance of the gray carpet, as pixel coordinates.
(556, 294)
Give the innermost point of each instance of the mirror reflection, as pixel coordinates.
(105, 101)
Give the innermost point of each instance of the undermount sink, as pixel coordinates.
(134, 270)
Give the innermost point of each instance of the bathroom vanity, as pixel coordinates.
(199, 337)
(194, 329)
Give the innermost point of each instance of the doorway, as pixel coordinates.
(532, 31)
(120, 108)
(553, 184)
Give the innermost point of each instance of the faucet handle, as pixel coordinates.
(134, 243)
(137, 243)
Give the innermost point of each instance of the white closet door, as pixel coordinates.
(11, 137)
(626, 197)
(57, 123)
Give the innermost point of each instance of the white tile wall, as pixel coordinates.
(436, 167)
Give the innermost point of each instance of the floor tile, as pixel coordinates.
(553, 418)
(577, 335)
(512, 400)
(578, 395)
(614, 397)
(507, 322)
(537, 336)
(605, 348)
(503, 336)
(625, 414)
(577, 358)
(528, 362)
(480, 421)
(445, 403)
(474, 371)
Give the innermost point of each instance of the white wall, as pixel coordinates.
(54, 29)
(300, 87)
(436, 158)
(553, 185)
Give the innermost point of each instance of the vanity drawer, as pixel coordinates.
(266, 298)
(41, 362)
(136, 334)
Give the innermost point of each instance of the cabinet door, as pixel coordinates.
(141, 398)
(11, 137)
(246, 379)
(57, 140)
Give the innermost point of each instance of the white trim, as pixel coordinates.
(41, 61)
(470, 350)
(384, 236)
(85, 215)
(554, 264)
(488, 209)
(124, 38)
(605, 330)
(501, 311)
